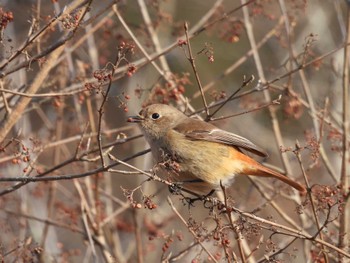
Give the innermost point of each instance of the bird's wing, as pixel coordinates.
(208, 132)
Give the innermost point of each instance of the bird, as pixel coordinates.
(197, 155)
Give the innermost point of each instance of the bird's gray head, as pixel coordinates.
(156, 119)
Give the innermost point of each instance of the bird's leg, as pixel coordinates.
(190, 201)
(175, 188)
(209, 194)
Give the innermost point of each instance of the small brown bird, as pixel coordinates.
(197, 154)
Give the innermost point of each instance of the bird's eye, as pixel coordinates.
(155, 116)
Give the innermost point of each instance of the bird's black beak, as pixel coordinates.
(137, 118)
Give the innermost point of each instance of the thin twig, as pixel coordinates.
(39, 79)
(138, 237)
(25, 180)
(267, 257)
(277, 208)
(48, 145)
(194, 68)
(21, 105)
(266, 105)
(190, 230)
(245, 83)
(235, 228)
(137, 42)
(40, 32)
(42, 95)
(7, 107)
(104, 100)
(298, 155)
(292, 232)
(223, 17)
(259, 67)
(83, 207)
(344, 222)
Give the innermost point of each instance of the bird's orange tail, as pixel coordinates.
(248, 166)
(264, 171)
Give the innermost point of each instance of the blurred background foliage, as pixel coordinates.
(107, 217)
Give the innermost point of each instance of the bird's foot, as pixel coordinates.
(175, 188)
